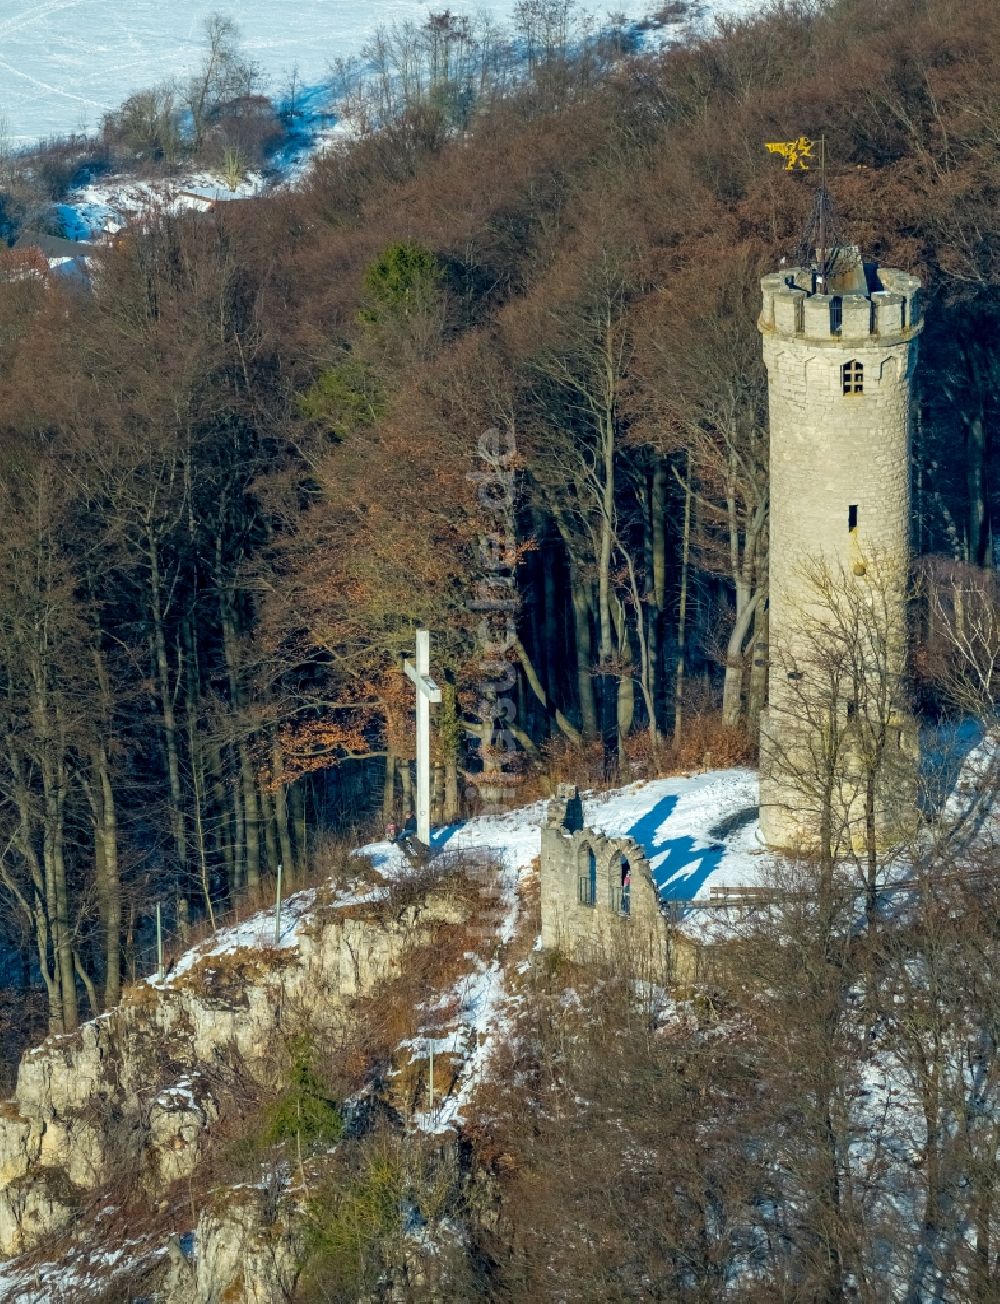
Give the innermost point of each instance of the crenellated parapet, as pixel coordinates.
(881, 305)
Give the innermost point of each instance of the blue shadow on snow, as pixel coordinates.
(441, 837)
(646, 829)
(669, 858)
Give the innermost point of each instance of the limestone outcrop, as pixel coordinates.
(134, 1091)
(249, 1249)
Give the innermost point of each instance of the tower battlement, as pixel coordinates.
(879, 302)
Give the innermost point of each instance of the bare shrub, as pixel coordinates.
(563, 761)
(590, 1134)
(709, 743)
(248, 126)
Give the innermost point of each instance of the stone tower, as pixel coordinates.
(839, 366)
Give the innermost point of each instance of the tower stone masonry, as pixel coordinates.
(840, 356)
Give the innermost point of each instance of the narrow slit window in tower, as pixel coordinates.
(852, 375)
(852, 517)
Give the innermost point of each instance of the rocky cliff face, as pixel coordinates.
(135, 1090)
(247, 1251)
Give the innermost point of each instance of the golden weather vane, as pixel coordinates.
(798, 154)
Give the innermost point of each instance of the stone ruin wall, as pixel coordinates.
(585, 932)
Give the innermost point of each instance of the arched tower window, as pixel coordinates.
(852, 377)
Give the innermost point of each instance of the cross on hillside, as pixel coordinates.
(427, 692)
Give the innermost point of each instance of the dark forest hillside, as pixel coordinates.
(243, 466)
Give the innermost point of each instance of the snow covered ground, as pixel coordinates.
(677, 822)
(64, 63)
(672, 819)
(701, 834)
(106, 206)
(675, 819)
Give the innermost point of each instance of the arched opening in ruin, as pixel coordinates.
(620, 884)
(587, 882)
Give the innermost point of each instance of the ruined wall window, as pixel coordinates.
(852, 517)
(852, 377)
(621, 887)
(587, 885)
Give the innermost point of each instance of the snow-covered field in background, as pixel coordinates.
(108, 56)
(64, 63)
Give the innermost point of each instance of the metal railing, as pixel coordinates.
(621, 900)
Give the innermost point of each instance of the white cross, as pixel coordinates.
(427, 692)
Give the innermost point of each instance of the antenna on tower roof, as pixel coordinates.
(821, 247)
(837, 264)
